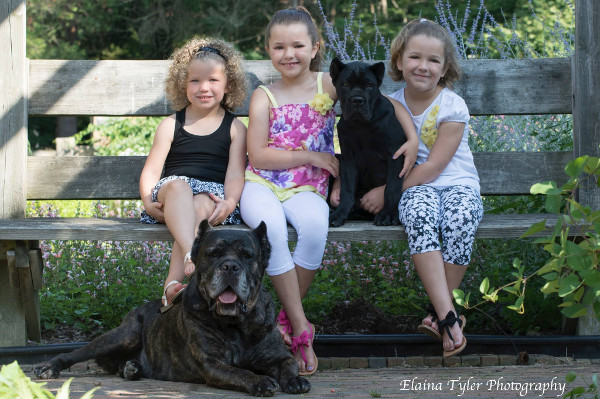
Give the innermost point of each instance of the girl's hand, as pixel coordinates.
(334, 197)
(155, 209)
(410, 150)
(222, 210)
(373, 201)
(327, 161)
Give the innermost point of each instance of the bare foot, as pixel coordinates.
(457, 334)
(173, 290)
(428, 322)
(305, 344)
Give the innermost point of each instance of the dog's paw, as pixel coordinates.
(385, 218)
(46, 371)
(335, 219)
(296, 385)
(265, 386)
(131, 371)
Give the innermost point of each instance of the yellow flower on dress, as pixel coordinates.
(321, 103)
(429, 132)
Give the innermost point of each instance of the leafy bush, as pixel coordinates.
(572, 271)
(15, 384)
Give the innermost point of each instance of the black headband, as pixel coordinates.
(211, 50)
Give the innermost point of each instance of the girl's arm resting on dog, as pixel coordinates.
(234, 178)
(154, 165)
(411, 147)
(263, 157)
(443, 150)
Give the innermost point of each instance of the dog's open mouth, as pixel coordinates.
(228, 303)
(228, 296)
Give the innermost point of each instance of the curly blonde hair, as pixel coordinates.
(176, 81)
(428, 28)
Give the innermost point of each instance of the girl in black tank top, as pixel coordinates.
(195, 169)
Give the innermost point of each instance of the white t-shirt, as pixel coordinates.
(452, 108)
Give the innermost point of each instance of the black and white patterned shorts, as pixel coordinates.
(197, 186)
(443, 220)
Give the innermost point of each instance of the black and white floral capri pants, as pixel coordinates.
(443, 220)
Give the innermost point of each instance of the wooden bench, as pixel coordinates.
(135, 88)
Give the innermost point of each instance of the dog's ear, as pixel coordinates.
(379, 70)
(335, 68)
(265, 247)
(204, 227)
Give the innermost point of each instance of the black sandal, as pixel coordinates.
(449, 321)
(430, 330)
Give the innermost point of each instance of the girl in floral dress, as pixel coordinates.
(291, 156)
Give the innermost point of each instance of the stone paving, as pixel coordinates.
(470, 376)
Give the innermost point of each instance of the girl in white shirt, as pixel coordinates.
(441, 206)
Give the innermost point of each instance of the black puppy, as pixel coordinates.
(221, 333)
(369, 134)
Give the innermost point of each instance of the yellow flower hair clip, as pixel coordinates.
(429, 132)
(321, 103)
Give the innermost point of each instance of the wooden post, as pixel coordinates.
(13, 156)
(586, 110)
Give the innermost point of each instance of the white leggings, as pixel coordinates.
(306, 211)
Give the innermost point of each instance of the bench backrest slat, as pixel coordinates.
(117, 177)
(86, 87)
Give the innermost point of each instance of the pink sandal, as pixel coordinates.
(285, 328)
(299, 342)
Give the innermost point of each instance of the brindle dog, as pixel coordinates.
(222, 333)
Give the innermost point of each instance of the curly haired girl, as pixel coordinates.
(202, 149)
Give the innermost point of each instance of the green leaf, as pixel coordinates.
(459, 296)
(579, 294)
(552, 204)
(568, 285)
(545, 188)
(576, 166)
(592, 165)
(550, 287)
(535, 228)
(575, 311)
(571, 376)
(553, 264)
(518, 306)
(577, 257)
(484, 286)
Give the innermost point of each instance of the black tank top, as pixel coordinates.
(201, 157)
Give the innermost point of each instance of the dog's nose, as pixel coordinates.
(357, 100)
(230, 267)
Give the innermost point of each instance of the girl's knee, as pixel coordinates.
(174, 187)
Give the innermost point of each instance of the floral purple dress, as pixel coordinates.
(296, 127)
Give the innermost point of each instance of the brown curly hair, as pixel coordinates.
(299, 14)
(428, 28)
(176, 81)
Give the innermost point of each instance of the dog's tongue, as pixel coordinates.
(228, 296)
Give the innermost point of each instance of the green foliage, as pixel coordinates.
(121, 136)
(572, 270)
(15, 384)
(586, 391)
(379, 272)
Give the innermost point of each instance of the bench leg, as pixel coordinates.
(20, 282)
